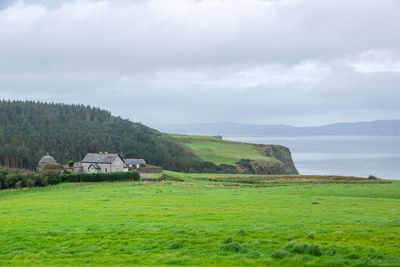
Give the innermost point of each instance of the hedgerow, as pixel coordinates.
(14, 178)
(101, 177)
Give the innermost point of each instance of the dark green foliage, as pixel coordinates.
(371, 177)
(28, 130)
(71, 163)
(52, 167)
(11, 178)
(100, 177)
(135, 175)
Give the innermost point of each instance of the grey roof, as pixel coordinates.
(134, 161)
(96, 166)
(100, 158)
(47, 159)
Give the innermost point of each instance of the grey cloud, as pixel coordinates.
(180, 61)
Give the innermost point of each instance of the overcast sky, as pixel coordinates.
(298, 62)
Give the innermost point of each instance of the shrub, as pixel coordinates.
(10, 178)
(372, 177)
(54, 167)
(135, 175)
(18, 184)
(30, 183)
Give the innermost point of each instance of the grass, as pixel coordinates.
(218, 151)
(201, 222)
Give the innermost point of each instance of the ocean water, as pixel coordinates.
(339, 155)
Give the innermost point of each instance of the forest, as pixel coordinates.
(29, 130)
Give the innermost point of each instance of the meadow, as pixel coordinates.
(189, 220)
(218, 151)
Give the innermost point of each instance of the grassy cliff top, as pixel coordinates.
(218, 151)
(214, 149)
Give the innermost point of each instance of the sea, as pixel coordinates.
(339, 155)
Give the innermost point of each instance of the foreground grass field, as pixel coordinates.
(202, 222)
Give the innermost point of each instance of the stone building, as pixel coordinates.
(47, 159)
(134, 163)
(102, 162)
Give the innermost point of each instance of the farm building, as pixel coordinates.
(47, 159)
(134, 163)
(102, 162)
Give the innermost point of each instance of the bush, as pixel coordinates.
(135, 175)
(372, 177)
(53, 167)
(11, 178)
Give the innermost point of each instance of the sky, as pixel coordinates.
(296, 62)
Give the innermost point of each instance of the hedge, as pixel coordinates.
(101, 177)
(11, 178)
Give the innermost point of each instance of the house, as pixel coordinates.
(134, 163)
(47, 159)
(102, 162)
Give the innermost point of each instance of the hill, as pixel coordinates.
(242, 157)
(28, 130)
(379, 127)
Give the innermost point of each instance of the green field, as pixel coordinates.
(201, 222)
(213, 149)
(265, 158)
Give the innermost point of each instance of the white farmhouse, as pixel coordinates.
(102, 162)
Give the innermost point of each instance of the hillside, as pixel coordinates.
(246, 157)
(28, 130)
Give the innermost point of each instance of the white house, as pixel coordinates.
(103, 162)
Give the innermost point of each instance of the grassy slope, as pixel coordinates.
(190, 223)
(210, 148)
